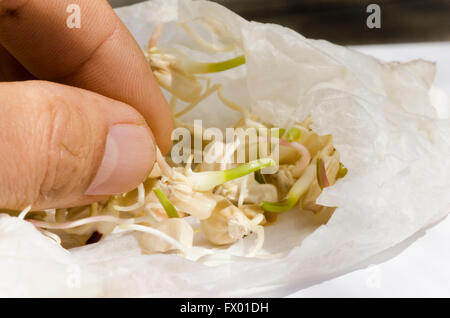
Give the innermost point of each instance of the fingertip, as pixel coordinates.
(127, 160)
(63, 146)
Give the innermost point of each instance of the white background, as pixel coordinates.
(419, 267)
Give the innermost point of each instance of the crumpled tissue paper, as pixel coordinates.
(390, 125)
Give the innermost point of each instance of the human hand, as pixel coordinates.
(77, 106)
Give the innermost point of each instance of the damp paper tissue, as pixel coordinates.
(390, 125)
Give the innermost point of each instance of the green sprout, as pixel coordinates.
(177, 61)
(166, 204)
(208, 180)
(176, 72)
(293, 134)
(299, 188)
(194, 67)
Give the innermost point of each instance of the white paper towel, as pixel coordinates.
(395, 144)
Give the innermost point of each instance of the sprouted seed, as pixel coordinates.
(232, 201)
(208, 180)
(157, 233)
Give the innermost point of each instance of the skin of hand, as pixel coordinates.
(80, 110)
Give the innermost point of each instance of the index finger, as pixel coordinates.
(101, 55)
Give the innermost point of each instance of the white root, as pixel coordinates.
(139, 204)
(206, 45)
(24, 212)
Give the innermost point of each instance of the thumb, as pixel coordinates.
(62, 146)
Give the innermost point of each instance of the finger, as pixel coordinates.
(62, 146)
(100, 56)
